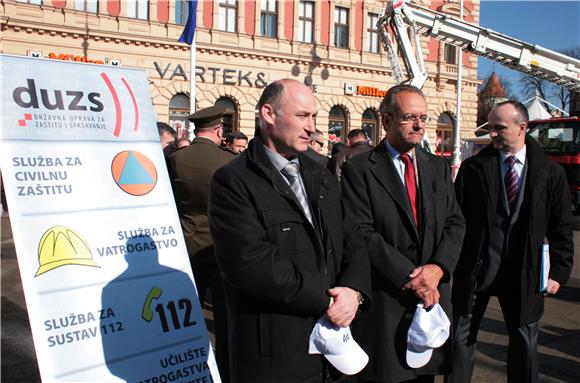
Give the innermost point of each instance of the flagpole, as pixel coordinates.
(192, 83)
(188, 37)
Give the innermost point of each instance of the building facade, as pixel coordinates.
(241, 46)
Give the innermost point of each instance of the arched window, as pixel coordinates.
(230, 118)
(371, 124)
(444, 132)
(178, 113)
(336, 125)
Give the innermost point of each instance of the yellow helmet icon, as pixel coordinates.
(61, 246)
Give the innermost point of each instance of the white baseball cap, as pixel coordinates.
(338, 347)
(429, 330)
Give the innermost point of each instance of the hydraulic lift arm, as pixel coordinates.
(401, 19)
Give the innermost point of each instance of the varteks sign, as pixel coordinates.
(214, 75)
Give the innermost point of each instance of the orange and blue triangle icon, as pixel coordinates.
(134, 172)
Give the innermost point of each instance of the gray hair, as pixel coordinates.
(389, 105)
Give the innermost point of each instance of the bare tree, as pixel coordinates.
(573, 97)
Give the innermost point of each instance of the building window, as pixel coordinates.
(228, 15)
(370, 123)
(336, 126)
(230, 117)
(305, 21)
(372, 33)
(444, 132)
(182, 11)
(269, 18)
(341, 27)
(87, 5)
(178, 114)
(450, 54)
(138, 9)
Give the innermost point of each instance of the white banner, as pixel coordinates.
(104, 267)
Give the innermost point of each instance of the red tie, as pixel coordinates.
(410, 182)
(511, 183)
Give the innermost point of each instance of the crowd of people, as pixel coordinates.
(373, 266)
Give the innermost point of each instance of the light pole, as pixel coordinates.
(456, 162)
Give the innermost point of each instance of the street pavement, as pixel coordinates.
(559, 340)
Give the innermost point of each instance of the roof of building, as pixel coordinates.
(493, 87)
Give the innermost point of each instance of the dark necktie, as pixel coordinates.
(511, 182)
(410, 182)
(291, 172)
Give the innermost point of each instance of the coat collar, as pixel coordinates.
(385, 172)
(313, 176)
(487, 163)
(203, 140)
(426, 190)
(488, 159)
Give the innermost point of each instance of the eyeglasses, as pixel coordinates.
(409, 118)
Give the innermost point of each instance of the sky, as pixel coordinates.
(552, 24)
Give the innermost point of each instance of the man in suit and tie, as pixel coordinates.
(287, 254)
(191, 170)
(403, 200)
(512, 198)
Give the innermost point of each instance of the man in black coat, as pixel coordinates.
(191, 170)
(413, 243)
(287, 253)
(512, 198)
(358, 143)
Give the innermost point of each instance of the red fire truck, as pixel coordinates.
(560, 140)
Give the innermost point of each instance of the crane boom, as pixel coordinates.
(404, 18)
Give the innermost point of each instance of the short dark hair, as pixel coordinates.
(388, 105)
(236, 136)
(271, 94)
(337, 147)
(520, 108)
(182, 139)
(162, 127)
(355, 133)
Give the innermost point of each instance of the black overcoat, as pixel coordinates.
(277, 266)
(545, 212)
(375, 195)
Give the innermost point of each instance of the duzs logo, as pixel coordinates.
(30, 97)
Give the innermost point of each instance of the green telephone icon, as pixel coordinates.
(147, 313)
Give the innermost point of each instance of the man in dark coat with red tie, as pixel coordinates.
(403, 200)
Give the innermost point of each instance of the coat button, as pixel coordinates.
(412, 247)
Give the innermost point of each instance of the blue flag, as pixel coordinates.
(189, 31)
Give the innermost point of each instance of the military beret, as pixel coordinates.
(207, 117)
